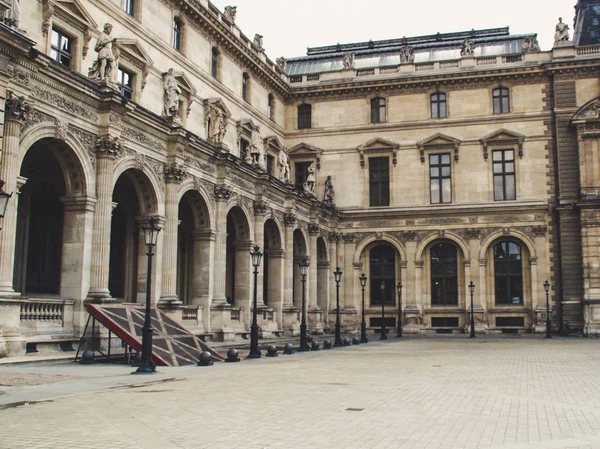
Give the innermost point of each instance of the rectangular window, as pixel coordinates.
(378, 113)
(177, 33)
(61, 47)
(214, 62)
(270, 160)
(304, 116)
(129, 7)
(270, 107)
(501, 100)
(379, 181)
(504, 175)
(440, 178)
(301, 174)
(126, 82)
(243, 149)
(438, 106)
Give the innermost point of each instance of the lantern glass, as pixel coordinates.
(256, 256)
(151, 232)
(338, 275)
(363, 280)
(303, 264)
(547, 286)
(471, 287)
(4, 197)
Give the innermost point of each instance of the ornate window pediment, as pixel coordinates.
(245, 130)
(187, 89)
(587, 119)
(502, 138)
(439, 141)
(133, 56)
(378, 145)
(306, 151)
(273, 147)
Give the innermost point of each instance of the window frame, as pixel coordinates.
(375, 279)
(62, 35)
(510, 274)
(504, 173)
(450, 298)
(382, 200)
(215, 62)
(177, 34)
(378, 110)
(440, 178)
(271, 107)
(123, 88)
(498, 96)
(130, 7)
(437, 102)
(304, 111)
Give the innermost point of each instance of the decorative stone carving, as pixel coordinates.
(171, 92)
(216, 116)
(561, 31)
(409, 236)
(87, 37)
(143, 139)
(16, 108)
(440, 221)
(309, 184)
(48, 12)
(539, 231)
(174, 172)
(222, 193)
(348, 61)
(591, 111)
(107, 146)
(261, 207)
(314, 229)
(20, 76)
(468, 49)
(335, 237)
(281, 62)
(289, 219)
(258, 41)
(407, 55)
(284, 166)
(106, 66)
(530, 44)
(473, 234)
(61, 129)
(87, 140)
(64, 104)
(195, 162)
(329, 192)
(349, 238)
(230, 13)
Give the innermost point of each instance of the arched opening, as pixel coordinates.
(508, 273)
(382, 269)
(443, 266)
(323, 269)
(185, 251)
(40, 222)
(238, 269)
(272, 269)
(300, 252)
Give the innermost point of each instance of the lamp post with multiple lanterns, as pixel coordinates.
(254, 351)
(303, 264)
(472, 290)
(382, 288)
(363, 324)
(338, 333)
(151, 237)
(548, 321)
(399, 291)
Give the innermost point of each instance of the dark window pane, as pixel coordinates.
(379, 176)
(61, 47)
(444, 274)
(382, 268)
(304, 116)
(508, 273)
(446, 191)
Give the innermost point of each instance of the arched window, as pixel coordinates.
(508, 273)
(214, 62)
(304, 116)
(438, 105)
(378, 110)
(245, 82)
(501, 100)
(382, 260)
(177, 33)
(444, 275)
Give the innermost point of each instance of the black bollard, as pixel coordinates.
(346, 341)
(272, 351)
(315, 346)
(327, 344)
(355, 340)
(232, 356)
(289, 349)
(205, 359)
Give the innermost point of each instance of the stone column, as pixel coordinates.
(275, 292)
(16, 110)
(107, 149)
(315, 314)
(334, 257)
(222, 195)
(174, 174)
(260, 209)
(349, 314)
(243, 280)
(291, 325)
(202, 282)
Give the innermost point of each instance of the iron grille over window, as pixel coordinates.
(508, 273)
(504, 175)
(378, 113)
(501, 100)
(440, 179)
(61, 47)
(304, 116)
(444, 275)
(438, 106)
(379, 181)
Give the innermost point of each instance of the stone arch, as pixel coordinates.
(75, 162)
(146, 183)
(203, 215)
(489, 240)
(446, 236)
(382, 238)
(322, 250)
(301, 239)
(273, 234)
(243, 230)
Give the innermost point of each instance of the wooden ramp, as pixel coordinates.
(172, 344)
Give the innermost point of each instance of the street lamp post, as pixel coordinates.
(303, 264)
(548, 321)
(472, 290)
(338, 337)
(382, 287)
(254, 351)
(399, 289)
(363, 324)
(151, 237)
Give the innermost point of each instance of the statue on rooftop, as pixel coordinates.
(230, 13)
(256, 149)
(562, 31)
(468, 49)
(105, 67)
(13, 15)
(407, 55)
(258, 41)
(530, 44)
(348, 61)
(281, 62)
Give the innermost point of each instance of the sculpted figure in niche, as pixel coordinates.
(13, 15)
(256, 147)
(105, 67)
(309, 185)
(329, 192)
(348, 61)
(170, 95)
(284, 166)
(530, 44)
(468, 49)
(230, 12)
(562, 31)
(217, 126)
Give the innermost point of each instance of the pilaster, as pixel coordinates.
(222, 194)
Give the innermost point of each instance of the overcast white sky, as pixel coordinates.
(290, 26)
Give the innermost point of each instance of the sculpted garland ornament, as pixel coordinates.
(174, 172)
(107, 146)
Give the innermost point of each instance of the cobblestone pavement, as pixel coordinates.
(425, 393)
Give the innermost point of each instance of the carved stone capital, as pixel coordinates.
(334, 237)
(409, 236)
(473, 234)
(349, 238)
(222, 193)
(174, 172)
(107, 146)
(16, 108)
(314, 229)
(289, 219)
(261, 207)
(539, 231)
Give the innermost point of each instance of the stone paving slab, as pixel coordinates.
(415, 393)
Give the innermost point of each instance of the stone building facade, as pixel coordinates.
(433, 161)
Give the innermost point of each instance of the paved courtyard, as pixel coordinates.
(416, 393)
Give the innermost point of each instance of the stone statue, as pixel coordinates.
(171, 92)
(258, 41)
(562, 31)
(348, 61)
(329, 192)
(230, 12)
(284, 166)
(309, 184)
(105, 67)
(281, 62)
(407, 55)
(218, 127)
(13, 15)
(530, 44)
(468, 49)
(256, 149)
